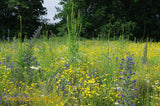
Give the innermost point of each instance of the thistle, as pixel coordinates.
(126, 84)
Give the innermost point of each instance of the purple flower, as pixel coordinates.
(136, 89)
(134, 80)
(130, 72)
(131, 87)
(120, 67)
(117, 83)
(121, 64)
(122, 58)
(122, 96)
(118, 101)
(128, 77)
(133, 62)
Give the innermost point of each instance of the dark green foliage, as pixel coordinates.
(10, 12)
(133, 18)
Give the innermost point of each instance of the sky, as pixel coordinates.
(51, 10)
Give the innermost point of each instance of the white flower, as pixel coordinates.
(36, 68)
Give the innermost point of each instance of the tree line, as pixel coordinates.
(98, 18)
(108, 18)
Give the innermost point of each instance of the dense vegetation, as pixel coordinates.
(99, 18)
(133, 18)
(50, 72)
(74, 71)
(20, 16)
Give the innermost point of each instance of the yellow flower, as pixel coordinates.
(158, 88)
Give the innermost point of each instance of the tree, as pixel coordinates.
(133, 18)
(12, 10)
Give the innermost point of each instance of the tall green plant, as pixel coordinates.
(74, 29)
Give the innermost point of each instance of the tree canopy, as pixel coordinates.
(11, 11)
(133, 18)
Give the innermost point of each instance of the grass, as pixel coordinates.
(40, 73)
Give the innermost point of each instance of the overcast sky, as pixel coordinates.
(51, 10)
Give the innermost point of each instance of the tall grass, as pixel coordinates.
(50, 79)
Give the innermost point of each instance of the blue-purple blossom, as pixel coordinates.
(134, 80)
(122, 58)
(133, 62)
(120, 67)
(117, 83)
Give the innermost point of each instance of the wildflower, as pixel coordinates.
(120, 67)
(134, 80)
(36, 68)
(127, 83)
(133, 62)
(136, 89)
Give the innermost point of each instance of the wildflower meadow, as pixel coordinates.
(48, 72)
